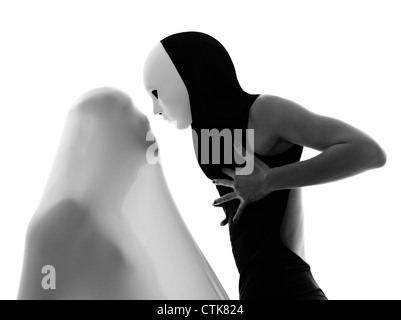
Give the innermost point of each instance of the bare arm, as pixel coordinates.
(346, 150)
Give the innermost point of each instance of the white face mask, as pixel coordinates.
(166, 87)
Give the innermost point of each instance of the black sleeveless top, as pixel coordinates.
(268, 269)
(260, 224)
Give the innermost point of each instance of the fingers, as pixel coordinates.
(224, 222)
(229, 172)
(237, 216)
(240, 210)
(227, 197)
(224, 182)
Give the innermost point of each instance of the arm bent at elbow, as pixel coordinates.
(346, 150)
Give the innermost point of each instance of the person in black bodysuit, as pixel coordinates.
(256, 203)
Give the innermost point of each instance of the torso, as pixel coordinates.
(267, 242)
(292, 230)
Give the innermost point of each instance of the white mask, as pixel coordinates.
(167, 89)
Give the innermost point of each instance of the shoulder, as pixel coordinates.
(277, 114)
(59, 223)
(268, 114)
(270, 108)
(48, 242)
(70, 235)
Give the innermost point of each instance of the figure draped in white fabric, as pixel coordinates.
(106, 222)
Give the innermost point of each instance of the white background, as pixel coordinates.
(337, 58)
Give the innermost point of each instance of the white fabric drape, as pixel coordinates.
(112, 197)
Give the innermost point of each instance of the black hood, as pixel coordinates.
(216, 97)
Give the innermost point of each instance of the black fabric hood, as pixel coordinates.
(216, 98)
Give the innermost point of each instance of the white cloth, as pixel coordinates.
(106, 220)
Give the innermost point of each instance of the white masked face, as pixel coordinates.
(168, 91)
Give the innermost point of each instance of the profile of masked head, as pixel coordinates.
(106, 224)
(192, 81)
